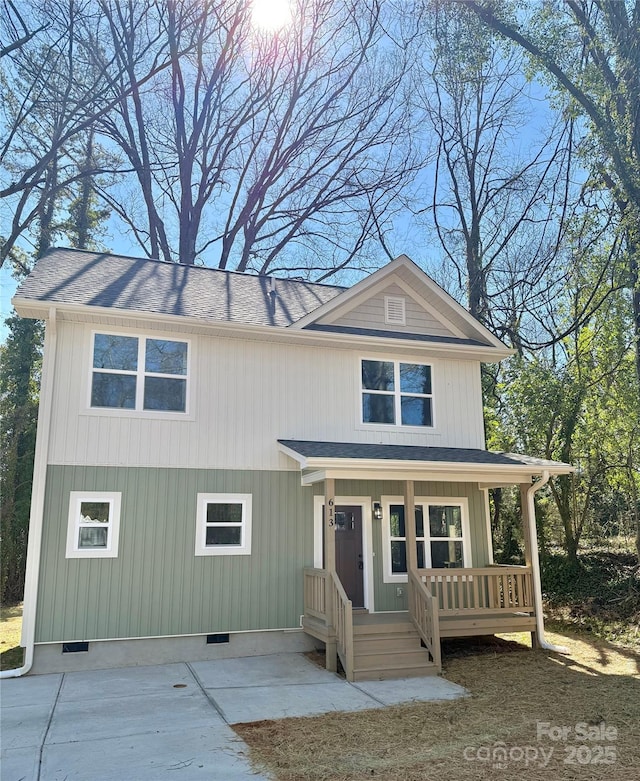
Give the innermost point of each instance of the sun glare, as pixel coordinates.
(271, 14)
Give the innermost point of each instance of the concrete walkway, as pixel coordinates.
(172, 721)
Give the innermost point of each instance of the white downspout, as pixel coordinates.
(535, 565)
(36, 515)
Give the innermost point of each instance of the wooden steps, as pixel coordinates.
(388, 646)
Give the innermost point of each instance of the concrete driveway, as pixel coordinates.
(172, 721)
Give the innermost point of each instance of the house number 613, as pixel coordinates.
(331, 513)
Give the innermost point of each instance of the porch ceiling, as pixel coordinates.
(354, 460)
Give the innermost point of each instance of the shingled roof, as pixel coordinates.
(450, 455)
(67, 276)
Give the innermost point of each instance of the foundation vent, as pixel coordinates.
(74, 648)
(221, 638)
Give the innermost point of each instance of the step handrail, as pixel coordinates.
(343, 624)
(315, 593)
(423, 610)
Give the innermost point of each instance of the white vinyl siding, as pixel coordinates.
(243, 396)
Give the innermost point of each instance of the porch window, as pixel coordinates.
(441, 536)
(139, 373)
(223, 525)
(396, 393)
(94, 524)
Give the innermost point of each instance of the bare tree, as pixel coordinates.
(591, 51)
(262, 145)
(501, 189)
(56, 84)
(15, 32)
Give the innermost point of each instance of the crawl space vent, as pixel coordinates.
(74, 648)
(219, 638)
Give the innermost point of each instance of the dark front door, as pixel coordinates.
(349, 561)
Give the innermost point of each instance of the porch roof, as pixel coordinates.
(358, 460)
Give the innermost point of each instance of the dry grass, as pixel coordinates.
(10, 628)
(512, 689)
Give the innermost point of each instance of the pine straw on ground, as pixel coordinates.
(512, 688)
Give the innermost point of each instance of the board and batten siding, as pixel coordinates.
(385, 594)
(157, 586)
(371, 314)
(245, 396)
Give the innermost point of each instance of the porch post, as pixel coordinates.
(528, 527)
(410, 525)
(330, 567)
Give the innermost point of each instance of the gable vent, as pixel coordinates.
(394, 310)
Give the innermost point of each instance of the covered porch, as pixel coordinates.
(453, 598)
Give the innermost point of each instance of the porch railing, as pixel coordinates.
(480, 590)
(423, 609)
(343, 624)
(315, 593)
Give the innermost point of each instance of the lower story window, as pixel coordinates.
(442, 537)
(223, 525)
(94, 524)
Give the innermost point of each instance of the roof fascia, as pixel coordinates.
(399, 465)
(33, 308)
(482, 474)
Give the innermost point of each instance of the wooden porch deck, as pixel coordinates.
(442, 603)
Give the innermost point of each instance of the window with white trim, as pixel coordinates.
(442, 535)
(223, 525)
(396, 393)
(94, 524)
(139, 373)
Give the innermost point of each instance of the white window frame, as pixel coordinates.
(424, 501)
(397, 394)
(140, 374)
(244, 549)
(114, 499)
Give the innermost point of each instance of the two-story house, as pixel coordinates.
(226, 463)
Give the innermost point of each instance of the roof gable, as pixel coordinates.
(393, 307)
(429, 310)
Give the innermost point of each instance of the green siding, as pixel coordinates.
(157, 586)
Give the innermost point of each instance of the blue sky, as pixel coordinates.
(7, 289)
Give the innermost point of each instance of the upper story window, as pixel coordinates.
(139, 373)
(397, 393)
